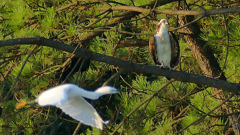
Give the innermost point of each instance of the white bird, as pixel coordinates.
(69, 98)
(163, 46)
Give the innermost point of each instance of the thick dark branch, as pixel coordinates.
(126, 65)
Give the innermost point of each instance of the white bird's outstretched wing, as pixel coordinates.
(79, 109)
(54, 96)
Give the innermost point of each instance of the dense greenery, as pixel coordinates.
(27, 70)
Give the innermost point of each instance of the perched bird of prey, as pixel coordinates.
(164, 47)
(70, 98)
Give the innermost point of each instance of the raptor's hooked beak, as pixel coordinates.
(166, 22)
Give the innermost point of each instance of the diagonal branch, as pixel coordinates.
(126, 65)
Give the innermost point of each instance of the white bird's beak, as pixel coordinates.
(117, 91)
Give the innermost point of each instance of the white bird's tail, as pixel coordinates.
(106, 122)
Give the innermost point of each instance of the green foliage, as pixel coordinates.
(49, 19)
(164, 127)
(199, 101)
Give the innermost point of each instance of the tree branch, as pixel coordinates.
(170, 12)
(127, 65)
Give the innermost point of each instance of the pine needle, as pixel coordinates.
(21, 104)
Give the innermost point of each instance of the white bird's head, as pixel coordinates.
(107, 90)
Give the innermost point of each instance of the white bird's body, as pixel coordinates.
(69, 98)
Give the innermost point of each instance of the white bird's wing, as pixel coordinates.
(79, 109)
(54, 96)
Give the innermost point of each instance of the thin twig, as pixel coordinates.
(195, 20)
(227, 45)
(74, 65)
(77, 128)
(114, 76)
(79, 70)
(98, 20)
(19, 73)
(79, 123)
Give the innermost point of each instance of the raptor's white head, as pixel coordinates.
(163, 22)
(162, 27)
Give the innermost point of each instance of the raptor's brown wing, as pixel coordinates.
(152, 50)
(175, 50)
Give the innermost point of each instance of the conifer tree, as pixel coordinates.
(208, 34)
